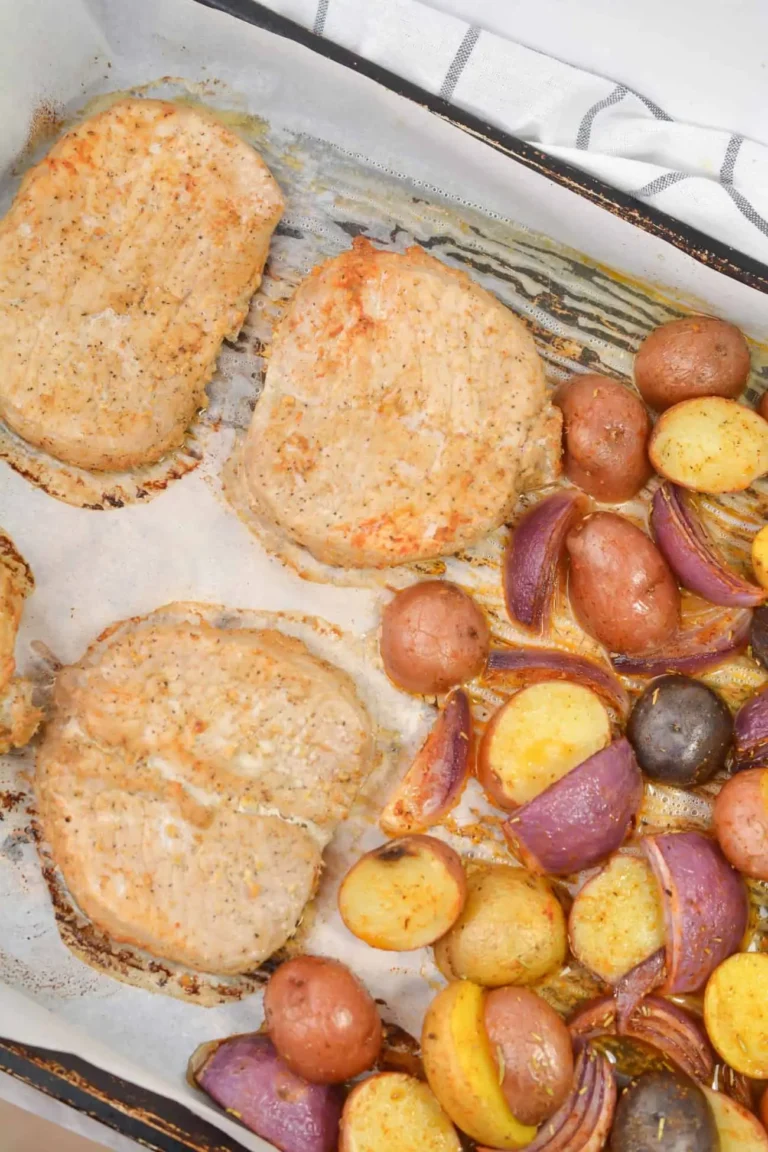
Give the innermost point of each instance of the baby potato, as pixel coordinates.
(695, 356)
(741, 822)
(710, 445)
(322, 1021)
(760, 556)
(433, 637)
(736, 1013)
(511, 930)
(621, 588)
(606, 429)
(681, 731)
(532, 1047)
(395, 1111)
(763, 406)
(664, 1111)
(405, 894)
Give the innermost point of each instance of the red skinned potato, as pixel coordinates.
(433, 784)
(710, 445)
(433, 637)
(741, 822)
(395, 1111)
(695, 356)
(245, 1076)
(321, 1019)
(621, 588)
(606, 429)
(581, 819)
(533, 554)
(705, 906)
(750, 730)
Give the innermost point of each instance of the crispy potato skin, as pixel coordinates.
(695, 356)
(321, 1019)
(741, 822)
(532, 1047)
(433, 637)
(605, 435)
(622, 590)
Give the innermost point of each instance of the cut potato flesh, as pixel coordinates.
(462, 1072)
(538, 736)
(736, 1012)
(395, 1111)
(617, 919)
(760, 556)
(404, 895)
(710, 445)
(738, 1129)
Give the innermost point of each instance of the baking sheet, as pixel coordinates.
(340, 148)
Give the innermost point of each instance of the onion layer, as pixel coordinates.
(516, 667)
(695, 649)
(638, 982)
(532, 558)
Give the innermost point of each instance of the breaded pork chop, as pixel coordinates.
(189, 781)
(404, 410)
(129, 253)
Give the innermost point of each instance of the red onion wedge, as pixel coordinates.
(245, 1075)
(583, 1122)
(695, 649)
(657, 1022)
(583, 817)
(518, 667)
(638, 982)
(691, 554)
(705, 906)
(433, 784)
(532, 558)
(750, 733)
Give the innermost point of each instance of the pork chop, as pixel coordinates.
(189, 781)
(404, 410)
(129, 253)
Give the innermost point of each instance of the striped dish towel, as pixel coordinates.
(706, 177)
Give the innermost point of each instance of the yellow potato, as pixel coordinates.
(736, 1012)
(738, 1129)
(511, 930)
(395, 1111)
(538, 736)
(403, 895)
(616, 919)
(710, 444)
(760, 556)
(462, 1072)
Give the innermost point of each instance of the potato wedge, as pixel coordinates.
(511, 930)
(537, 737)
(760, 556)
(462, 1072)
(403, 895)
(738, 1129)
(710, 444)
(616, 919)
(395, 1111)
(736, 1012)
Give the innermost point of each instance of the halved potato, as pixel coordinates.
(462, 1072)
(710, 444)
(736, 1012)
(393, 1110)
(616, 919)
(738, 1129)
(538, 736)
(760, 556)
(511, 930)
(405, 894)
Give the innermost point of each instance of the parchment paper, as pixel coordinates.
(93, 568)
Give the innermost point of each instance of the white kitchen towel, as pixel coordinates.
(707, 177)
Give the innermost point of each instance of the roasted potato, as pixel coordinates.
(696, 356)
(532, 1048)
(710, 445)
(323, 1022)
(760, 556)
(739, 1130)
(433, 637)
(736, 1012)
(763, 406)
(664, 1112)
(405, 894)
(395, 1111)
(511, 931)
(741, 822)
(616, 920)
(621, 588)
(681, 731)
(537, 736)
(605, 429)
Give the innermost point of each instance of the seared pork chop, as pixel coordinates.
(189, 781)
(129, 253)
(404, 410)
